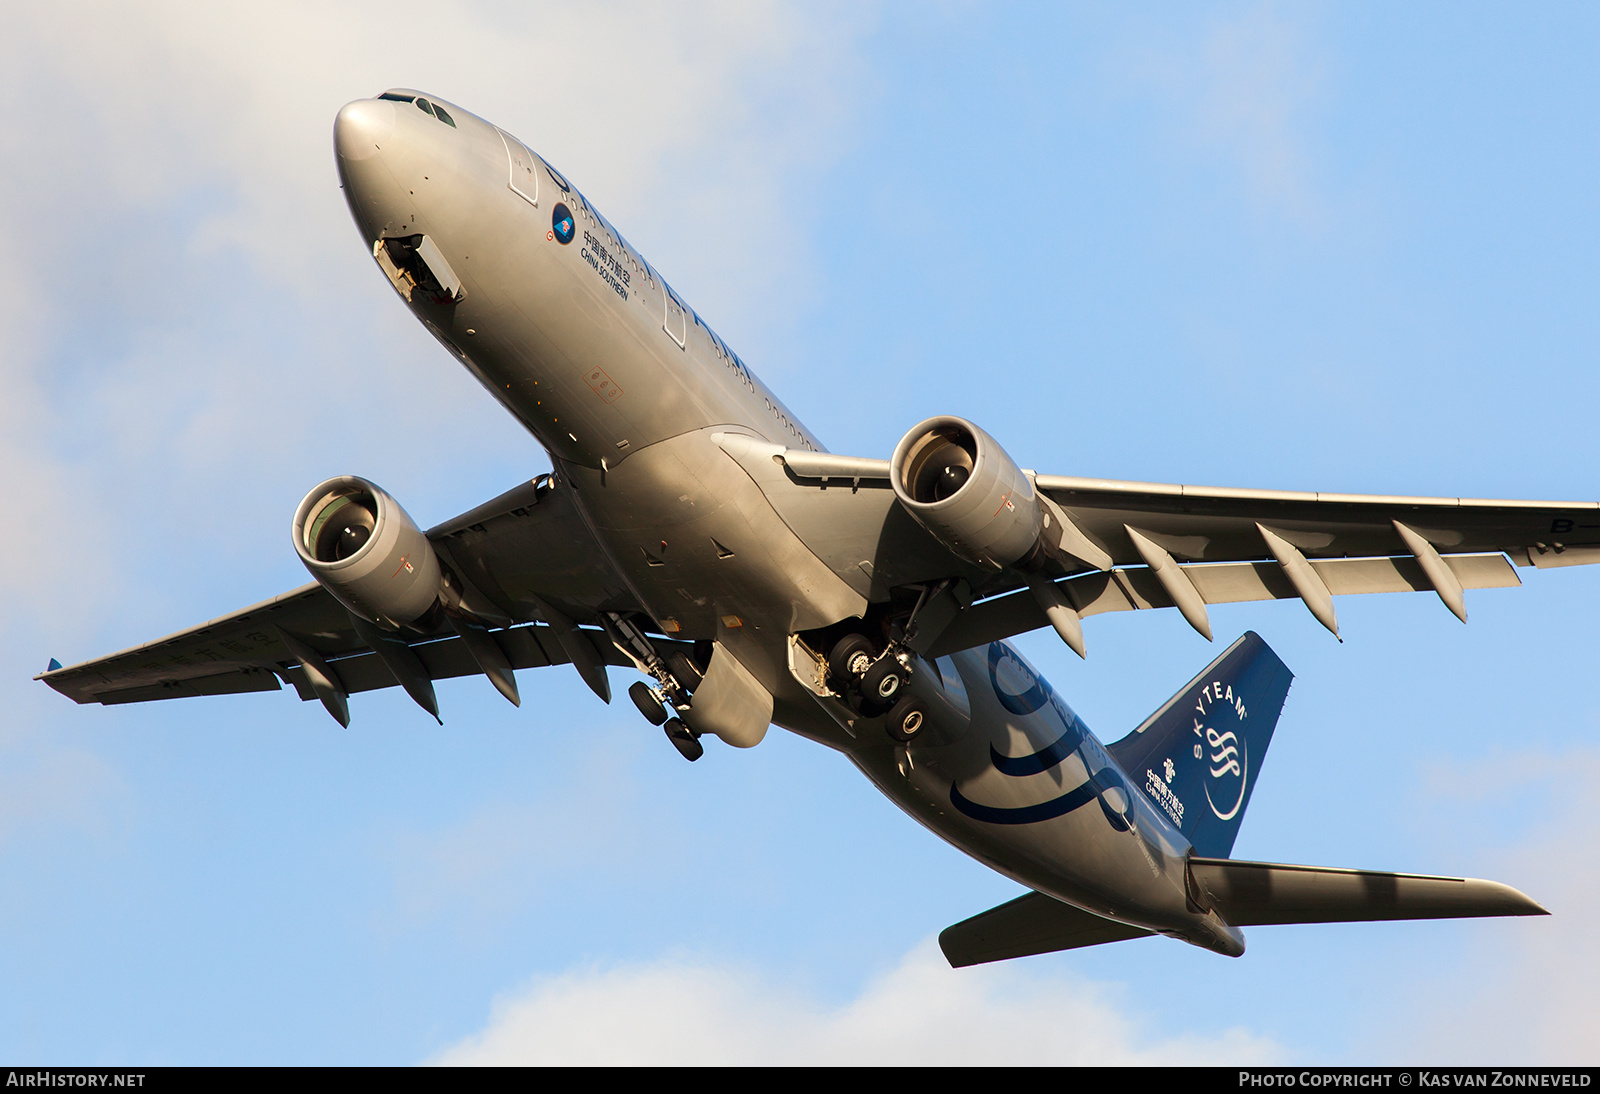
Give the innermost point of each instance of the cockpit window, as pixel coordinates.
(422, 104)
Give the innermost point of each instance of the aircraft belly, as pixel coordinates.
(1009, 791)
(704, 549)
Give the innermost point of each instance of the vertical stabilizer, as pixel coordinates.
(1198, 757)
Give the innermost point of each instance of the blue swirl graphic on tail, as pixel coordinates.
(1035, 696)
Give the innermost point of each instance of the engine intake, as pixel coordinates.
(961, 486)
(365, 550)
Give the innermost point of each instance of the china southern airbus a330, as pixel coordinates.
(693, 530)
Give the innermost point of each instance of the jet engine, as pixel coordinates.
(357, 541)
(962, 487)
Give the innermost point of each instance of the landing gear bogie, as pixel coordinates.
(850, 659)
(882, 684)
(906, 720)
(684, 740)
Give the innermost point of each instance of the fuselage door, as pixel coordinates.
(524, 180)
(676, 322)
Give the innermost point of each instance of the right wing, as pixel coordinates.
(247, 651)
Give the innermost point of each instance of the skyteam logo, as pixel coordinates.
(1220, 746)
(562, 224)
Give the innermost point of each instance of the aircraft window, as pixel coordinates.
(438, 112)
(392, 97)
(424, 106)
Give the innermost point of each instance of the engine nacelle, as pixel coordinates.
(357, 541)
(961, 486)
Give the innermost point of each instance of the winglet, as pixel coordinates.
(53, 665)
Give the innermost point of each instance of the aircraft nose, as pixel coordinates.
(362, 127)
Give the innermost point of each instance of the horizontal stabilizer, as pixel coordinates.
(1250, 894)
(1030, 924)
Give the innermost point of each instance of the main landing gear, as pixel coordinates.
(676, 676)
(877, 683)
(652, 703)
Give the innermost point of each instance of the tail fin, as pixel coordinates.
(1198, 757)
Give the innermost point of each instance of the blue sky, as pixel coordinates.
(1326, 247)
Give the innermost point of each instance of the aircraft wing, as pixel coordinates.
(1208, 523)
(239, 652)
(249, 650)
(1221, 545)
(1134, 545)
(305, 638)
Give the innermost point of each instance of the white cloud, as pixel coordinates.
(1242, 87)
(188, 314)
(479, 871)
(1517, 991)
(187, 318)
(136, 103)
(1532, 997)
(923, 1012)
(45, 791)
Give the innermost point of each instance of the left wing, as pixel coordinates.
(1194, 546)
(1122, 546)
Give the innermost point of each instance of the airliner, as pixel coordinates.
(695, 534)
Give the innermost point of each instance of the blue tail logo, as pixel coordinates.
(1223, 746)
(1198, 756)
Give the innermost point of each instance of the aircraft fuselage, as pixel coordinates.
(628, 389)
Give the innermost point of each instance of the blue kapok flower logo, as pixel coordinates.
(562, 224)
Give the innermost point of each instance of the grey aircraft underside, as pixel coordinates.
(693, 530)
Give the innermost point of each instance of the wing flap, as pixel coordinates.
(1219, 523)
(228, 646)
(1032, 923)
(1250, 894)
(1136, 589)
(234, 682)
(533, 646)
